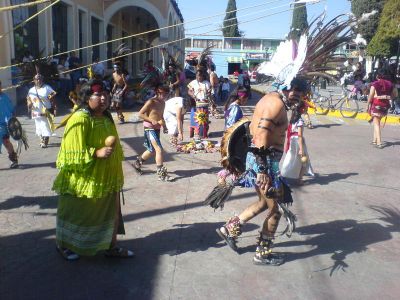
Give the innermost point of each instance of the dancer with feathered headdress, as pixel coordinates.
(252, 150)
(120, 87)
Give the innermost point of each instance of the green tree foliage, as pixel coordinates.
(299, 20)
(386, 39)
(230, 19)
(359, 7)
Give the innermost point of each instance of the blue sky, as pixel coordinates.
(273, 26)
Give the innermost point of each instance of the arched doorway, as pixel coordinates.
(125, 18)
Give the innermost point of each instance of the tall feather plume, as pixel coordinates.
(40, 64)
(121, 50)
(315, 55)
(168, 59)
(202, 60)
(322, 44)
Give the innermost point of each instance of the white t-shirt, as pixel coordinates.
(170, 109)
(38, 106)
(201, 89)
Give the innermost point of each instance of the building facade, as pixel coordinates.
(73, 24)
(232, 54)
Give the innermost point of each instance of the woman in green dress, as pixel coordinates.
(89, 181)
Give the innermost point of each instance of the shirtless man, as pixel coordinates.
(152, 116)
(268, 129)
(118, 92)
(214, 81)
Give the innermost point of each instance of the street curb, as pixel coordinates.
(390, 119)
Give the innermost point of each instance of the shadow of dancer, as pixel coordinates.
(344, 237)
(324, 179)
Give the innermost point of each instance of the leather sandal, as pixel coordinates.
(119, 252)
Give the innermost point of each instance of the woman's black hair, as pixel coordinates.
(86, 92)
(233, 97)
(296, 114)
(381, 73)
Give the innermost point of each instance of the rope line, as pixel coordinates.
(245, 15)
(160, 45)
(135, 35)
(171, 42)
(12, 7)
(29, 19)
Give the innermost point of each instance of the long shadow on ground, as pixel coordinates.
(31, 258)
(341, 238)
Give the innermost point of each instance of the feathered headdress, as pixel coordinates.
(314, 54)
(168, 60)
(40, 65)
(120, 51)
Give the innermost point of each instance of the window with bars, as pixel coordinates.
(60, 24)
(203, 43)
(251, 44)
(95, 37)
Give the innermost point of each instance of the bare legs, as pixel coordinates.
(158, 153)
(271, 221)
(377, 130)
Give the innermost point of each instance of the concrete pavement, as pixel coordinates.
(346, 245)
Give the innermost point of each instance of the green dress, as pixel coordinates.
(88, 186)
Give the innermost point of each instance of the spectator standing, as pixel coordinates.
(74, 62)
(225, 90)
(381, 92)
(214, 82)
(246, 84)
(65, 78)
(27, 57)
(240, 79)
(98, 68)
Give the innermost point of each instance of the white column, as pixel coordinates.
(7, 50)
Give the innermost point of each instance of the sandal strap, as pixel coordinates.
(119, 252)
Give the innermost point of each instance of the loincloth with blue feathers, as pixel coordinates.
(241, 168)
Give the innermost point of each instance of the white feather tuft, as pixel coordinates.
(359, 40)
(366, 16)
(282, 66)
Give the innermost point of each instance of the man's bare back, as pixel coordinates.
(269, 123)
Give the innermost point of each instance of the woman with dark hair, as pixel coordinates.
(381, 92)
(90, 179)
(297, 161)
(173, 79)
(233, 112)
